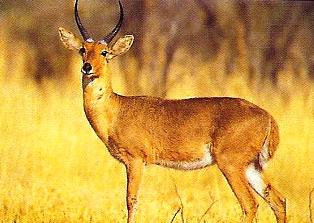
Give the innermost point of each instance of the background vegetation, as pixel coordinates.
(53, 168)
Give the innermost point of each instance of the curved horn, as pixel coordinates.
(83, 31)
(110, 36)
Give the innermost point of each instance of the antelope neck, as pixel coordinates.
(99, 103)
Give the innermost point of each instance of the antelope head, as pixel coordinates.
(95, 54)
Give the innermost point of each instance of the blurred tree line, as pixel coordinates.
(257, 37)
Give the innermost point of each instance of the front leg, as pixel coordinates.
(134, 170)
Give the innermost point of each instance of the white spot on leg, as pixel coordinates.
(255, 179)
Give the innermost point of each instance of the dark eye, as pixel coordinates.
(82, 51)
(104, 53)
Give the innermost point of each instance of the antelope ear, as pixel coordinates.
(69, 40)
(121, 46)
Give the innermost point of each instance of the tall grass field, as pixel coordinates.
(53, 168)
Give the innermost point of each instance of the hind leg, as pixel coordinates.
(277, 202)
(263, 188)
(243, 192)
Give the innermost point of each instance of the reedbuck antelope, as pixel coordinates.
(184, 134)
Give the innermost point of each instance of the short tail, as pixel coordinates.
(270, 144)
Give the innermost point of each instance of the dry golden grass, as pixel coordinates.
(53, 168)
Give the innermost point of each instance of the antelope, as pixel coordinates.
(232, 133)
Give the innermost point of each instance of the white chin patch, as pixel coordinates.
(255, 179)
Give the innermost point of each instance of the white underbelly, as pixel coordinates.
(205, 160)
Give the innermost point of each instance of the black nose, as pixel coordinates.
(87, 67)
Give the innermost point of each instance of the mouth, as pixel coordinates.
(88, 74)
